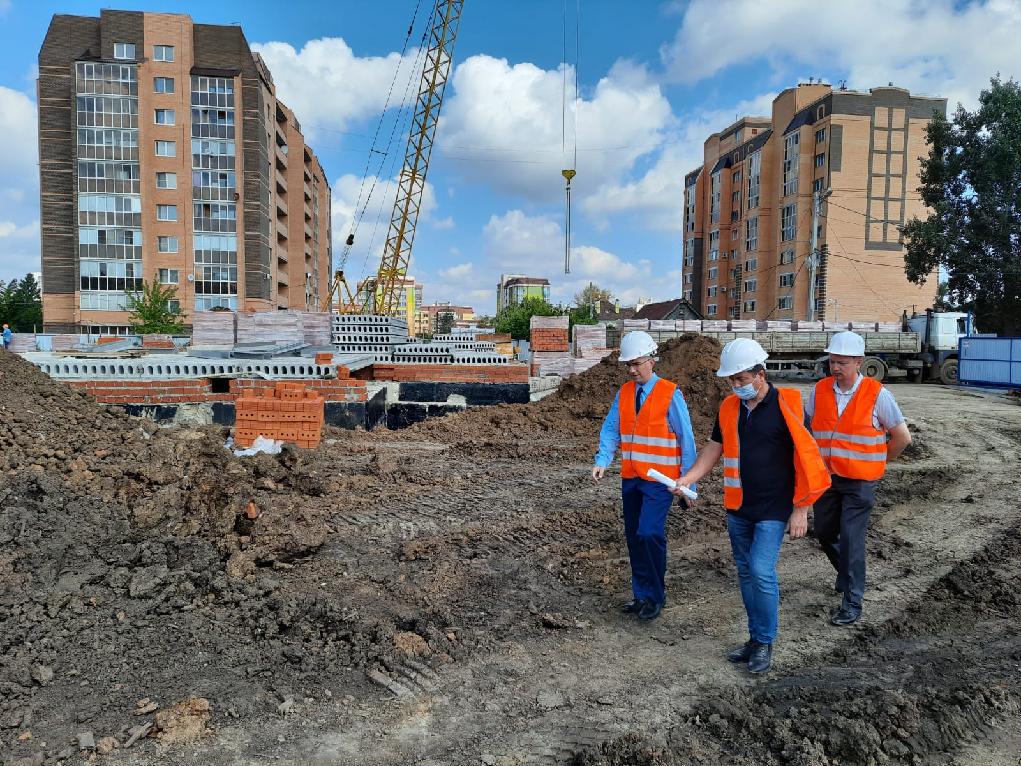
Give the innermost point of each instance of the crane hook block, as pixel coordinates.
(350, 240)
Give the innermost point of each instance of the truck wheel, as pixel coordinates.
(821, 368)
(948, 373)
(914, 376)
(874, 368)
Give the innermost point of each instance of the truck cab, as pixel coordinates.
(940, 332)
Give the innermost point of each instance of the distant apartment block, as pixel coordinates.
(437, 314)
(748, 208)
(409, 299)
(514, 288)
(165, 155)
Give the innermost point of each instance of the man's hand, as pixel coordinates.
(798, 524)
(597, 472)
(684, 481)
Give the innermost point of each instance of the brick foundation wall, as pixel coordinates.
(446, 373)
(200, 390)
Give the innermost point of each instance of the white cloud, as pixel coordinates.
(502, 126)
(939, 47)
(349, 195)
(460, 271)
(328, 86)
(444, 223)
(656, 197)
(19, 193)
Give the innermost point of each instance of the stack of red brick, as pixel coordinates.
(550, 333)
(288, 412)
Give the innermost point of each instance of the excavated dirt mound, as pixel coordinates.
(579, 405)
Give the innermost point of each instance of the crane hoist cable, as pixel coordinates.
(349, 242)
(571, 172)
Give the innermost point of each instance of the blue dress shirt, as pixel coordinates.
(677, 418)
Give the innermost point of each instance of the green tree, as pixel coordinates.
(591, 294)
(155, 309)
(971, 183)
(517, 318)
(21, 305)
(444, 322)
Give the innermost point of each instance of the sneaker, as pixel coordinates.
(634, 606)
(761, 658)
(845, 615)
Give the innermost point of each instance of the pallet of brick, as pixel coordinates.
(663, 325)
(550, 334)
(552, 362)
(23, 341)
(803, 325)
(773, 325)
(634, 324)
(287, 412)
(834, 326)
(888, 327)
(158, 341)
(213, 328)
(502, 342)
(743, 325)
(588, 337)
(688, 325)
(863, 326)
(316, 328)
(269, 327)
(550, 323)
(715, 325)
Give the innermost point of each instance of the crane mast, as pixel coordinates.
(383, 292)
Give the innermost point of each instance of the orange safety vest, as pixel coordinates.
(811, 479)
(851, 446)
(646, 440)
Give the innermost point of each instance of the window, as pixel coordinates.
(751, 241)
(820, 160)
(710, 310)
(166, 212)
(163, 84)
(110, 276)
(169, 276)
(166, 148)
(735, 202)
(714, 272)
(689, 252)
(714, 199)
(174, 306)
(124, 51)
(689, 208)
(820, 135)
(754, 168)
(786, 256)
(733, 255)
(166, 117)
(687, 295)
(751, 285)
(787, 279)
(166, 244)
(749, 306)
(818, 184)
(735, 312)
(166, 180)
(687, 279)
(711, 291)
(714, 246)
(736, 179)
(790, 164)
(751, 264)
(785, 303)
(163, 53)
(789, 222)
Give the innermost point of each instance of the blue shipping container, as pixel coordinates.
(990, 362)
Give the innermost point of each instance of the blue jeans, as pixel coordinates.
(646, 506)
(756, 547)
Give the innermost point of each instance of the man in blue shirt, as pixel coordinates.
(649, 421)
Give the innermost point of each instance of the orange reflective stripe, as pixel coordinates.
(646, 440)
(850, 444)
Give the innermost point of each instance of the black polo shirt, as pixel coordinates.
(767, 460)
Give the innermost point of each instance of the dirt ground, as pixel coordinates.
(449, 594)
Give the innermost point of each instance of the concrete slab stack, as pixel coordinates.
(368, 334)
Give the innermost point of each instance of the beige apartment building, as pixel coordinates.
(748, 210)
(165, 155)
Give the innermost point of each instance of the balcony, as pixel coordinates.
(281, 205)
(281, 229)
(308, 175)
(308, 250)
(308, 193)
(282, 255)
(281, 183)
(282, 278)
(308, 231)
(281, 155)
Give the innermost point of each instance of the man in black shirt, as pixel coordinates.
(772, 472)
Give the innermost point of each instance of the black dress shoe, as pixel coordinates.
(761, 657)
(650, 610)
(845, 616)
(634, 606)
(742, 653)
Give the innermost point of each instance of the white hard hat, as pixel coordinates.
(846, 343)
(635, 345)
(739, 355)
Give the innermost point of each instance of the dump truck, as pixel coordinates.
(921, 347)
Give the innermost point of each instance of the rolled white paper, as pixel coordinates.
(657, 476)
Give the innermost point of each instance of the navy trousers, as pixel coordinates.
(841, 523)
(646, 505)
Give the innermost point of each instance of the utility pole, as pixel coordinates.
(813, 257)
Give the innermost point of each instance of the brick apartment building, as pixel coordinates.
(431, 316)
(165, 154)
(748, 208)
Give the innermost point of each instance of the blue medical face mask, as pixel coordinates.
(745, 392)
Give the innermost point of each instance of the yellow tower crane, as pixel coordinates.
(382, 293)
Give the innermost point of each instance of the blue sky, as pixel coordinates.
(655, 78)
